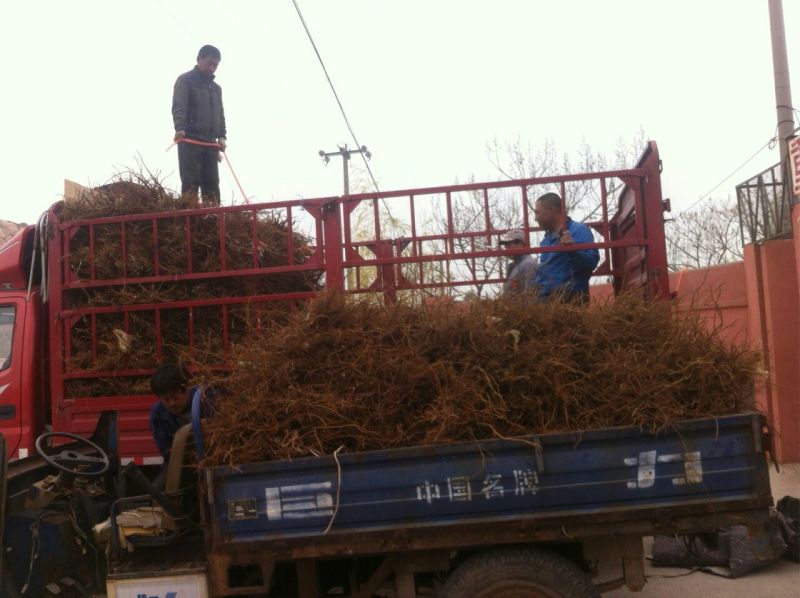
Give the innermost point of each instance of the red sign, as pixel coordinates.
(794, 163)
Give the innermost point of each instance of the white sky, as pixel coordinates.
(87, 87)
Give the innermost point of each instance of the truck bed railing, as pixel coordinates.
(410, 244)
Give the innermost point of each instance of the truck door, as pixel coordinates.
(12, 316)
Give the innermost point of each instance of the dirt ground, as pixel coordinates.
(777, 580)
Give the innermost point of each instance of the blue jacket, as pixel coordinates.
(567, 272)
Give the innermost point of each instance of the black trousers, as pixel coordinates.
(199, 170)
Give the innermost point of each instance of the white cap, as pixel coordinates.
(516, 234)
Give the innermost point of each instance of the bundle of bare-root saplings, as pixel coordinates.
(364, 376)
(167, 246)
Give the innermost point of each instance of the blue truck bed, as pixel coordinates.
(700, 467)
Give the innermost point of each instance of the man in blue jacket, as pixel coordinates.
(563, 274)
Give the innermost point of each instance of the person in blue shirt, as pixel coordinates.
(174, 407)
(563, 274)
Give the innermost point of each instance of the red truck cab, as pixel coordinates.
(22, 332)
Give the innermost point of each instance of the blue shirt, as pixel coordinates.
(567, 272)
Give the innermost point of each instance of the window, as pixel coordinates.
(7, 315)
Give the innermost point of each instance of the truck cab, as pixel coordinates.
(22, 329)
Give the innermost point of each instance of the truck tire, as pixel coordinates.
(518, 573)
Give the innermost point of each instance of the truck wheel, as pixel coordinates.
(517, 573)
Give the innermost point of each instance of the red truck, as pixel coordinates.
(43, 387)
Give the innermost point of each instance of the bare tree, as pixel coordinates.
(696, 239)
(516, 160)
(469, 213)
(705, 237)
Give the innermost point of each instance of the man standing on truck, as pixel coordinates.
(199, 118)
(563, 275)
(522, 268)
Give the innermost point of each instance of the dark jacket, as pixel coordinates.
(164, 425)
(197, 106)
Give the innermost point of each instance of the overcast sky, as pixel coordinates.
(87, 88)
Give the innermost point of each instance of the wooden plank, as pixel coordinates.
(404, 585)
(377, 578)
(73, 190)
(633, 563)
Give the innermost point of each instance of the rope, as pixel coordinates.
(338, 488)
(216, 145)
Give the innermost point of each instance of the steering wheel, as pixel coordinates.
(71, 461)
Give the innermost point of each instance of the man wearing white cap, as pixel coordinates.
(522, 268)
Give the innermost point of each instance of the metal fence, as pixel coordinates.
(765, 202)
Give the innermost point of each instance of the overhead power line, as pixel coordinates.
(335, 95)
(769, 143)
(180, 23)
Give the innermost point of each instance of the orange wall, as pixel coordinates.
(719, 294)
(796, 233)
(774, 323)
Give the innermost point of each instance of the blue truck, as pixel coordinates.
(491, 515)
(532, 516)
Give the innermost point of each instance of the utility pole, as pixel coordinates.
(780, 67)
(345, 154)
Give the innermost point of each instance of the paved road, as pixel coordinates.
(779, 580)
